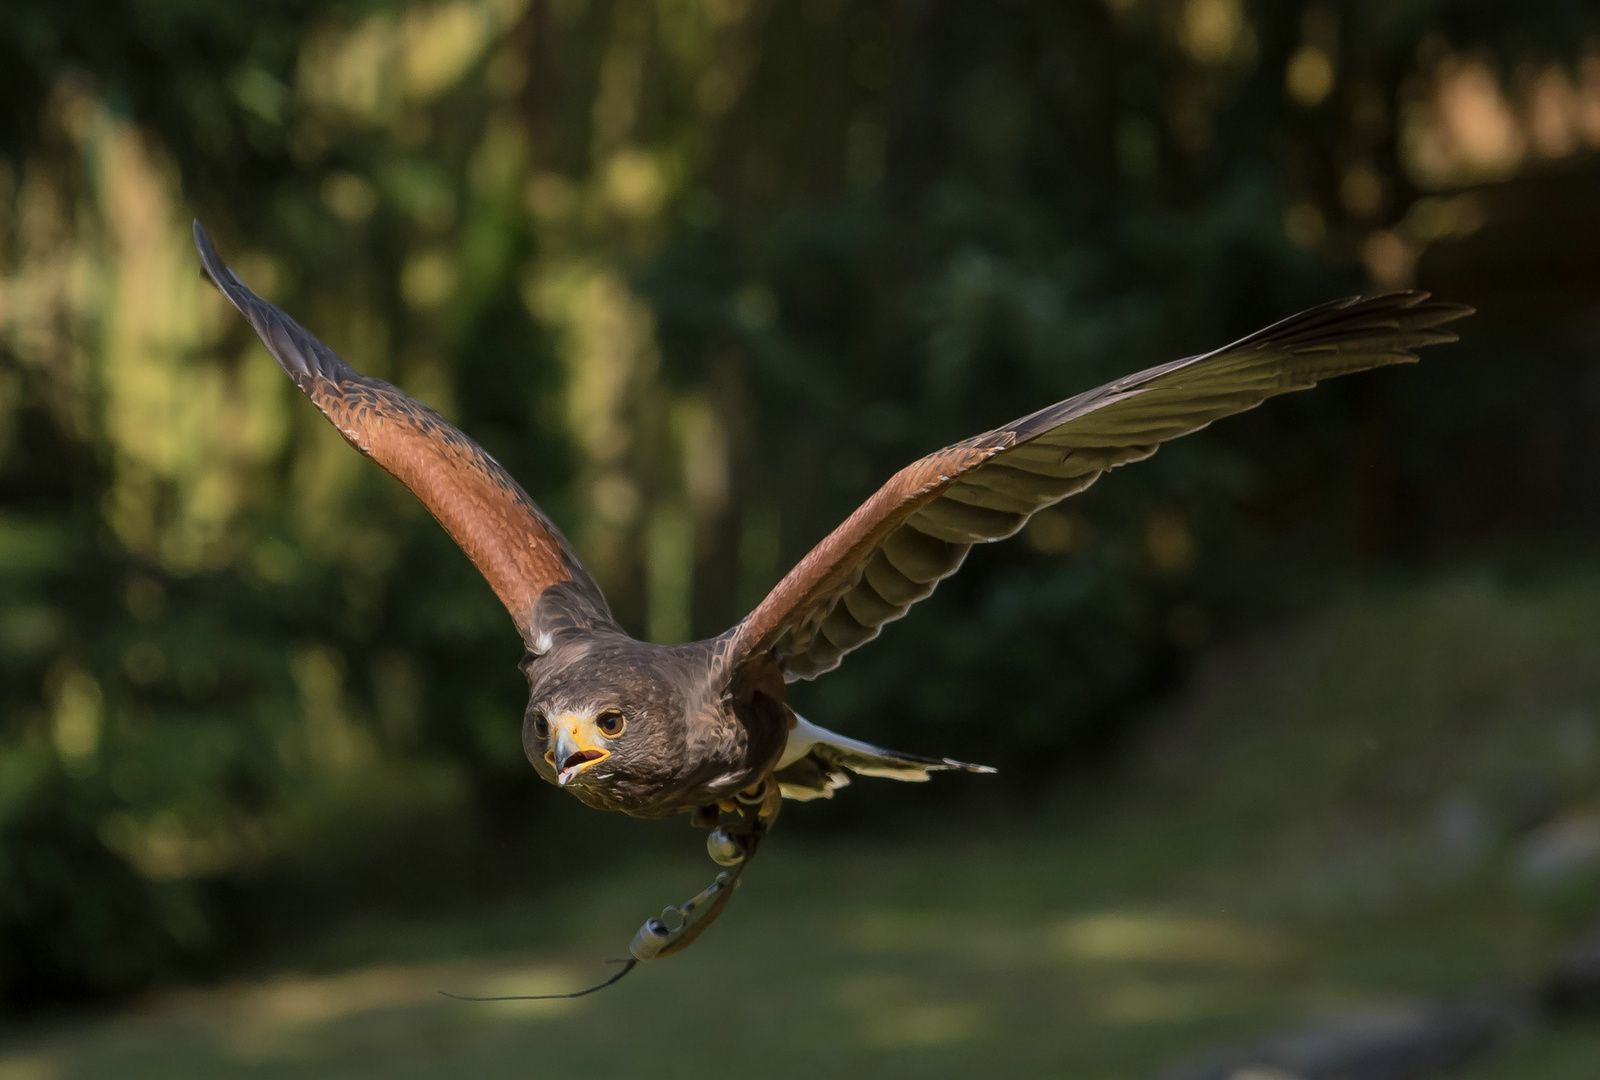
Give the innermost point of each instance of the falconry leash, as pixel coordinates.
(676, 928)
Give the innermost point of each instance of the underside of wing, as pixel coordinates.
(916, 530)
(516, 548)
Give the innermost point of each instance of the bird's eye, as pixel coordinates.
(610, 723)
(541, 726)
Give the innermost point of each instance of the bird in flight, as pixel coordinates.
(702, 729)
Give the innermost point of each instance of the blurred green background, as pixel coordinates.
(1300, 715)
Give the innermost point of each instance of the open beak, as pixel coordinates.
(577, 747)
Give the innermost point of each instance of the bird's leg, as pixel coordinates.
(766, 798)
(754, 809)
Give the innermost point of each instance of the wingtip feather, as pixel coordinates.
(220, 273)
(214, 266)
(294, 347)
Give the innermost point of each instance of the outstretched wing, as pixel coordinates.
(918, 527)
(483, 509)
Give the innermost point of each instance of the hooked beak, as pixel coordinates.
(577, 747)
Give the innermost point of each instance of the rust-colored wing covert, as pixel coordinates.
(483, 509)
(917, 528)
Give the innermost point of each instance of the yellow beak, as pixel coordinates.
(578, 746)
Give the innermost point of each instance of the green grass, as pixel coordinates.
(1328, 818)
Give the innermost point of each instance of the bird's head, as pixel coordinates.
(606, 720)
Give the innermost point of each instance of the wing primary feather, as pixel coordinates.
(915, 530)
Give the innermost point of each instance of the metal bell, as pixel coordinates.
(723, 848)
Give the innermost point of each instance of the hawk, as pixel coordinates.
(703, 729)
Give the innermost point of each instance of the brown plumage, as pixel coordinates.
(654, 730)
(483, 509)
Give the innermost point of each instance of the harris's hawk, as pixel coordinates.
(702, 728)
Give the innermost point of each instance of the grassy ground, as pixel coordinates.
(1353, 811)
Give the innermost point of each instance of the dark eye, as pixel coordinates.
(610, 723)
(541, 726)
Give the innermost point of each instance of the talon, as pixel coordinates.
(770, 805)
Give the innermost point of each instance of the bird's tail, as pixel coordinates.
(817, 762)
